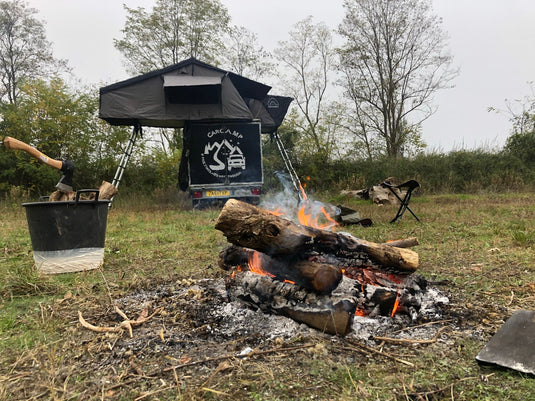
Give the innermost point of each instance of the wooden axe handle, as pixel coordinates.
(12, 143)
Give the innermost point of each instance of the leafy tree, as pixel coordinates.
(171, 32)
(522, 146)
(308, 60)
(521, 142)
(24, 51)
(63, 124)
(393, 62)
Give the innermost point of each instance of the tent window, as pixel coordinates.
(187, 89)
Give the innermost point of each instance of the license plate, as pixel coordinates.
(218, 193)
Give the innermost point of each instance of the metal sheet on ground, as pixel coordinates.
(513, 345)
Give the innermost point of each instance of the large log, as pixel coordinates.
(252, 227)
(321, 275)
(322, 278)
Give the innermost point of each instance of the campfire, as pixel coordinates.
(313, 273)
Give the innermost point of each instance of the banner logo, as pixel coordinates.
(222, 156)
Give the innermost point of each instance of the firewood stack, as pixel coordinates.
(313, 259)
(106, 192)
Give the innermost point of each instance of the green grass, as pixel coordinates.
(481, 245)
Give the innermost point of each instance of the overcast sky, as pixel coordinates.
(492, 42)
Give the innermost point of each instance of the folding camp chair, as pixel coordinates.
(410, 186)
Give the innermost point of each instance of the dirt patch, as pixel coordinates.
(198, 345)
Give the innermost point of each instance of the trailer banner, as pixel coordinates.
(225, 153)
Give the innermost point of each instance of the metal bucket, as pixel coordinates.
(68, 236)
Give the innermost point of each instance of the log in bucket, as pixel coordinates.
(68, 236)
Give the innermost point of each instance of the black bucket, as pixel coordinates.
(68, 236)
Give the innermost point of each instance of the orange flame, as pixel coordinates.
(306, 219)
(303, 217)
(276, 212)
(255, 264)
(303, 193)
(396, 305)
(331, 222)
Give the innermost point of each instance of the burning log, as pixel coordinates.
(319, 277)
(251, 227)
(330, 314)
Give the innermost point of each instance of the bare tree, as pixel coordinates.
(244, 55)
(308, 60)
(394, 60)
(24, 50)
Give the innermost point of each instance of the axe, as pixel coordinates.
(66, 167)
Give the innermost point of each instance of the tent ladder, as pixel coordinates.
(288, 164)
(126, 156)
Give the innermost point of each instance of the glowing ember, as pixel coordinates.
(360, 312)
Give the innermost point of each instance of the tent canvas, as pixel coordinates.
(188, 91)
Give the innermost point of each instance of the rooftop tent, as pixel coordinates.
(277, 107)
(270, 111)
(188, 91)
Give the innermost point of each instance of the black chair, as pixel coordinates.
(410, 186)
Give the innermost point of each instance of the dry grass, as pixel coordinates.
(481, 247)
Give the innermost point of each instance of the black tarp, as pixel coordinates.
(189, 91)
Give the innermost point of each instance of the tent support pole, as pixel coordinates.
(136, 130)
(289, 167)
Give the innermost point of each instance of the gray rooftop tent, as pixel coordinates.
(188, 91)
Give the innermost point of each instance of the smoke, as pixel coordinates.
(289, 201)
(285, 201)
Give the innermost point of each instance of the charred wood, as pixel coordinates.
(330, 314)
(251, 227)
(322, 278)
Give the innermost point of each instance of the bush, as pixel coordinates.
(455, 172)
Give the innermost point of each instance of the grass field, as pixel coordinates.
(479, 247)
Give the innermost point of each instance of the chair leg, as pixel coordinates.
(404, 206)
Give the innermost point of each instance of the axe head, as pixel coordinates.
(65, 182)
